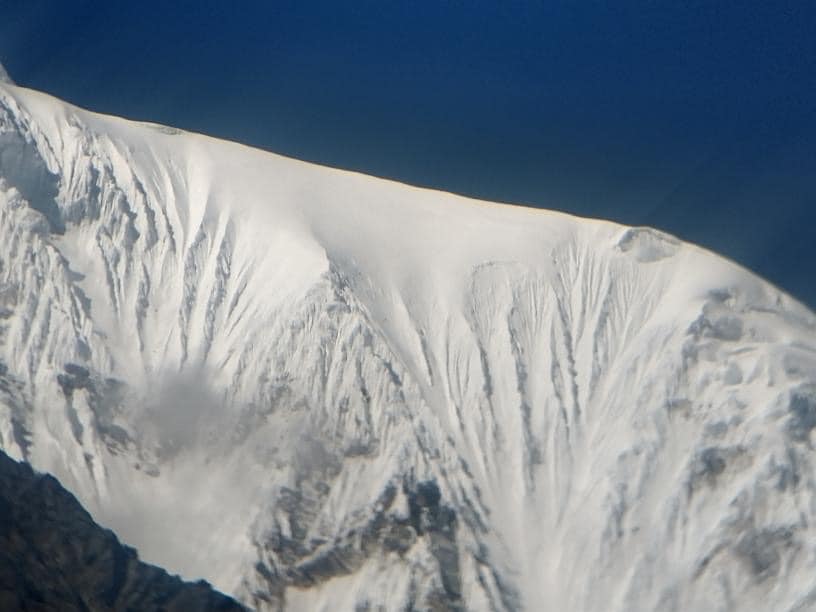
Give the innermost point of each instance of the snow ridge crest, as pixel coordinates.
(346, 393)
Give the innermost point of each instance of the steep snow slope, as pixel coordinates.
(325, 391)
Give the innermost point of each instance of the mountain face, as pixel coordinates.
(323, 391)
(54, 557)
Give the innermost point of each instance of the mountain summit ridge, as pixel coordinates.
(320, 390)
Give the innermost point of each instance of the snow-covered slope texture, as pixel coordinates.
(324, 391)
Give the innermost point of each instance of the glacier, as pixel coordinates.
(320, 390)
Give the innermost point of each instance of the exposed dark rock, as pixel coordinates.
(709, 464)
(429, 516)
(292, 561)
(75, 377)
(104, 395)
(54, 557)
(803, 413)
(761, 550)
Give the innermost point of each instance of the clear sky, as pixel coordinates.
(697, 117)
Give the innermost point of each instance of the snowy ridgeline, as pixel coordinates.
(324, 391)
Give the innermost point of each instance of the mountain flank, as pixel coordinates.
(53, 556)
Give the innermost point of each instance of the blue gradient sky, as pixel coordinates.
(694, 117)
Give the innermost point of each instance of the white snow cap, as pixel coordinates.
(324, 391)
(4, 77)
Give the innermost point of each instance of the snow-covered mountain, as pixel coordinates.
(324, 391)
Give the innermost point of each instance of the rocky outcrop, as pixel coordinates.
(53, 556)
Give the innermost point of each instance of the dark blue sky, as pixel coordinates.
(696, 117)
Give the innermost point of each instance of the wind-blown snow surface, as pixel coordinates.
(321, 390)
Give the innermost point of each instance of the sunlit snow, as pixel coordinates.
(321, 390)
